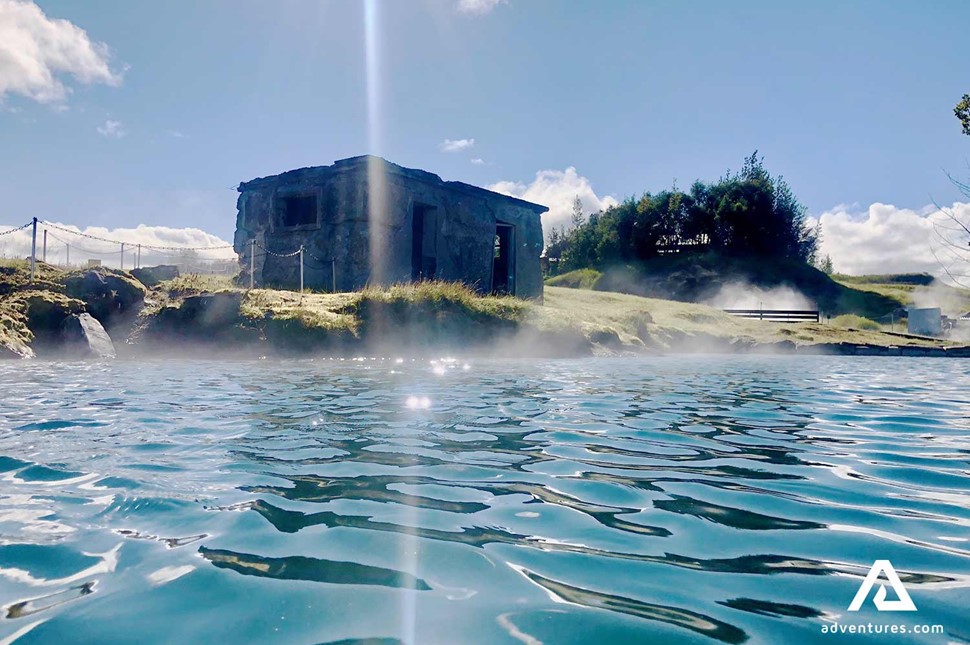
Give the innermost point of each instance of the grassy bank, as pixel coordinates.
(702, 277)
(445, 316)
(192, 314)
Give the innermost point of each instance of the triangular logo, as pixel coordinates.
(904, 602)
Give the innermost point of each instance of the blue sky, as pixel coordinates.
(850, 101)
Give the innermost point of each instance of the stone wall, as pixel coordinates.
(380, 251)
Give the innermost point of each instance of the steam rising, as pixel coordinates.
(939, 294)
(741, 295)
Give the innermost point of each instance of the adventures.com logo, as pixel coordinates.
(903, 602)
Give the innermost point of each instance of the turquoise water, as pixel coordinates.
(692, 499)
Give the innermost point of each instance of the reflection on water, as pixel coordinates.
(690, 499)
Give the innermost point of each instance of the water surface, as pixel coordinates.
(672, 499)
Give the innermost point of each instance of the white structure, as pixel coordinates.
(926, 321)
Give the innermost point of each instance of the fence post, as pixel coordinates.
(333, 273)
(301, 268)
(252, 263)
(68, 262)
(33, 251)
(45, 245)
(122, 256)
(138, 258)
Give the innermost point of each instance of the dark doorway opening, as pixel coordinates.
(424, 242)
(503, 262)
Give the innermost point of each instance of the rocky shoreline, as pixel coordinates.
(103, 313)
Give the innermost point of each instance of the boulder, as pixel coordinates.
(84, 337)
(210, 318)
(14, 348)
(151, 276)
(44, 313)
(110, 296)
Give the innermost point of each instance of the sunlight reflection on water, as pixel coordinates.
(601, 500)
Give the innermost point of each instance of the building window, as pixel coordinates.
(300, 210)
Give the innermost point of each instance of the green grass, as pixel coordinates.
(699, 277)
(907, 288)
(578, 279)
(444, 295)
(193, 283)
(901, 279)
(852, 321)
(669, 324)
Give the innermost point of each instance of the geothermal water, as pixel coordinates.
(688, 499)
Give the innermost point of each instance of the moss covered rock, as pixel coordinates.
(110, 295)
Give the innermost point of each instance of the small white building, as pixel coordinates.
(926, 321)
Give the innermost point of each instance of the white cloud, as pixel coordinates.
(35, 50)
(17, 245)
(557, 189)
(456, 145)
(111, 129)
(887, 239)
(478, 7)
(176, 134)
(478, 161)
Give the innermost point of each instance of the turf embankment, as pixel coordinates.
(195, 315)
(701, 277)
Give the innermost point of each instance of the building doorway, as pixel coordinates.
(424, 242)
(503, 260)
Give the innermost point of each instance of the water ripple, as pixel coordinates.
(726, 499)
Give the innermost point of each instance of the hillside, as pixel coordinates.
(705, 277)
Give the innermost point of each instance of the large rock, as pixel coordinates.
(84, 337)
(44, 312)
(151, 276)
(208, 319)
(110, 296)
(14, 348)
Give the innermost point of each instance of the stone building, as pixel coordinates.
(365, 221)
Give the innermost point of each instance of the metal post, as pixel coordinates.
(252, 263)
(122, 256)
(138, 256)
(301, 269)
(33, 251)
(45, 245)
(68, 256)
(333, 273)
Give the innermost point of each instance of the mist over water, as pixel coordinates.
(697, 499)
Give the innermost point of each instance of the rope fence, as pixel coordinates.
(315, 263)
(135, 249)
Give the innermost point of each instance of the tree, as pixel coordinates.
(578, 217)
(953, 229)
(962, 112)
(749, 213)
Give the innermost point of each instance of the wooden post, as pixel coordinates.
(45, 245)
(68, 262)
(122, 256)
(333, 273)
(301, 269)
(138, 258)
(33, 251)
(252, 263)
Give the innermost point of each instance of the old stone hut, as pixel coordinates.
(365, 221)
